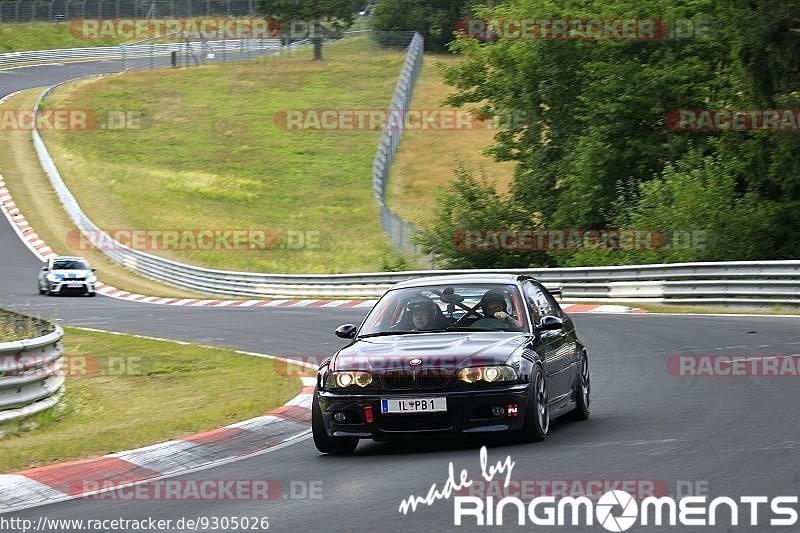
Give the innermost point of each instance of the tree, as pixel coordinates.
(594, 151)
(435, 20)
(294, 14)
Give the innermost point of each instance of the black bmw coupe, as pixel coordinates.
(453, 354)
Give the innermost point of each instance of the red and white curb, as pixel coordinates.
(40, 249)
(75, 479)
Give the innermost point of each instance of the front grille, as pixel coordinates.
(432, 378)
(70, 280)
(398, 379)
(425, 378)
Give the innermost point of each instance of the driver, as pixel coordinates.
(493, 305)
(421, 314)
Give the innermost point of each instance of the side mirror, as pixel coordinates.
(45, 269)
(550, 323)
(94, 270)
(346, 331)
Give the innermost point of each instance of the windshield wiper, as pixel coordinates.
(467, 328)
(388, 333)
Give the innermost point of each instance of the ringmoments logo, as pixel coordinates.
(615, 510)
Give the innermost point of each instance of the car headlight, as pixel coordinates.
(487, 374)
(342, 380)
(91, 279)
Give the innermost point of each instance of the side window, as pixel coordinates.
(537, 301)
(554, 307)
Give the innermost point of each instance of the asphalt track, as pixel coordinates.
(737, 436)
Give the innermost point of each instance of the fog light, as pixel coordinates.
(339, 416)
(498, 410)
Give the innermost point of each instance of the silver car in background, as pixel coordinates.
(63, 275)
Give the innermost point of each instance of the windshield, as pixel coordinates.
(70, 264)
(473, 307)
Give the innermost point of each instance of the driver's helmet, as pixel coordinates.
(421, 304)
(493, 296)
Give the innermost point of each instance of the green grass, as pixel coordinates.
(124, 392)
(426, 158)
(17, 37)
(15, 327)
(208, 156)
(716, 309)
(36, 199)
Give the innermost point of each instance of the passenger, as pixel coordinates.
(495, 316)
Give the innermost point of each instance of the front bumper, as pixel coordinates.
(468, 411)
(67, 286)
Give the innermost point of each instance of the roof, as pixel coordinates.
(458, 278)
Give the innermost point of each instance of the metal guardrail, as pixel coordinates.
(752, 283)
(30, 370)
(400, 231)
(124, 52)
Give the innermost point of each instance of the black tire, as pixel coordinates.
(324, 442)
(91, 294)
(537, 419)
(582, 391)
(41, 290)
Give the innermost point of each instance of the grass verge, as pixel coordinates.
(211, 155)
(427, 158)
(36, 199)
(715, 309)
(125, 392)
(23, 36)
(16, 327)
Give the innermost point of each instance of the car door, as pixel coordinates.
(559, 355)
(569, 342)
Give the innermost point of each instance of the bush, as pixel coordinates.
(436, 20)
(472, 203)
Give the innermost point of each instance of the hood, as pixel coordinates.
(440, 350)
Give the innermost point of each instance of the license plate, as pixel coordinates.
(413, 405)
(75, 285)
